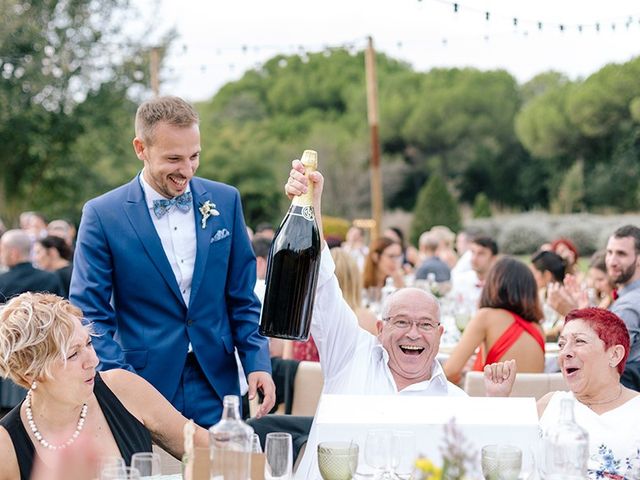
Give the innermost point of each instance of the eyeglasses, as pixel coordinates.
(405, 324)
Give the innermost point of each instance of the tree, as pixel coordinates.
(435, 206)
(571, 193)
(481, 206)
(55, 55)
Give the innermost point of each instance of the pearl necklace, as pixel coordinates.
(38, 435)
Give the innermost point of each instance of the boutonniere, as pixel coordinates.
(208, 209)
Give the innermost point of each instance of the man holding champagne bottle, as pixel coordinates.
(401, 359)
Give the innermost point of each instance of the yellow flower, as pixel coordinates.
(427, 467)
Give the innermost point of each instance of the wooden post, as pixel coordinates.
(372, 114)
(154, 70)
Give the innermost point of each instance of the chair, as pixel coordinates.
(307, 388)
(526, 384)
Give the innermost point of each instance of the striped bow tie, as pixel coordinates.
(181, 202)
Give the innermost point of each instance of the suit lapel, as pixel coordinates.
(138, 214)
(203, 235)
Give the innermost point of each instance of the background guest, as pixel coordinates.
(547, 267)
(506, 326)
(53, 254)
(15, 254)
(445, 250)
(410, 257)
(383, 260)
(431, 262)
(567, 250)
(350, 281)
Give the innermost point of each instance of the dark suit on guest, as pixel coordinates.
(24, 277)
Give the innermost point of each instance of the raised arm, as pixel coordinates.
(499, 378)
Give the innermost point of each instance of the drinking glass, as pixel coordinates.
(120, 473)
(403, 453)
(501, 462)
(377, 452)
(147, 463)
(110, 461)
(279, 456)
(337, 460)
(256, 447)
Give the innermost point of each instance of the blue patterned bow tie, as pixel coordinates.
(182, 202)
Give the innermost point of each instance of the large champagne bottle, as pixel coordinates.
(292, 267)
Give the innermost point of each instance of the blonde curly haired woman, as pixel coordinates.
(45, 348)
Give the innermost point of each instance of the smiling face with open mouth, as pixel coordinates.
(411, 335)
(171, 158)
(583, 360)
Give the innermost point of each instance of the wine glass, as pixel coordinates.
(279, 456)
(377, 449)
(120, 473)
(403, 453)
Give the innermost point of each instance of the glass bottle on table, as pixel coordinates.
(230, 443)
(566, 447)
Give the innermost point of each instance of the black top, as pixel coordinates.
(131, 436)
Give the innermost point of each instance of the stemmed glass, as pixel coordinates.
(377, 452)
(147, 463)
(403, 453)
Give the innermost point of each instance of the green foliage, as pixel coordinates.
(571, 193)
(435, 206)
(62, 106)
(481, 206)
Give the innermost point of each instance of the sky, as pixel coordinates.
(219, 40)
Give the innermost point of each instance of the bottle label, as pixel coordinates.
(305, 212)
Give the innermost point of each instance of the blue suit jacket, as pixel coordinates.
(125, 287)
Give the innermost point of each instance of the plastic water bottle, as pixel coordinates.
(230, 443)
(566, 447)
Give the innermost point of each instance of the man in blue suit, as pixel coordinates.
(164, 271)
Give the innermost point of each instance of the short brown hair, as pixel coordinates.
(36, 330)
(510, 285)
(172, 110)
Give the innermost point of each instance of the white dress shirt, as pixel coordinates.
(177, 232)
(354, 361)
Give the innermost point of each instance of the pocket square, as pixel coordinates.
(220, 234)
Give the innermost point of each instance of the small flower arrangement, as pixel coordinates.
(208, 209)
(459, 458)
